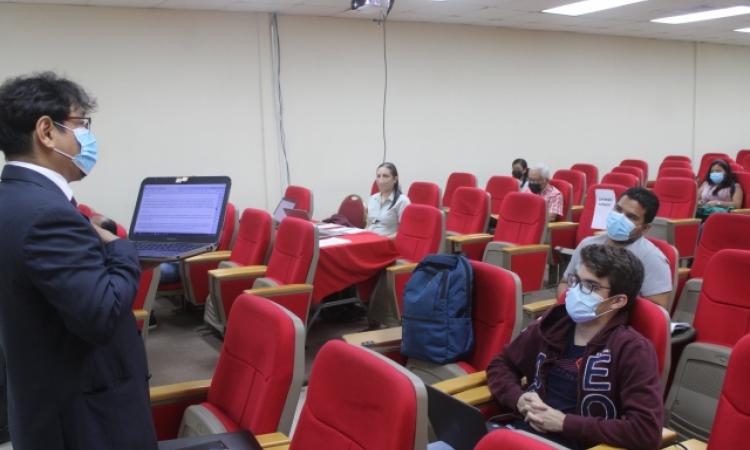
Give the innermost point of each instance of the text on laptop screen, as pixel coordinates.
(180, 209)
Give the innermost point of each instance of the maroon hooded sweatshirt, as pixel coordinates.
(619, 390)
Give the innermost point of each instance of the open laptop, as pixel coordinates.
(298, 213)
(280, 212)
(456, 423)
(178, 217)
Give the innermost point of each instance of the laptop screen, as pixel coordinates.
(280, 212)
(180, 209)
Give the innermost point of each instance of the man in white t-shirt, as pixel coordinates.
(626, 225)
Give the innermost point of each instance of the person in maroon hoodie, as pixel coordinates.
(592, 379)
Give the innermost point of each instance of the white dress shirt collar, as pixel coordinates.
(53, 176)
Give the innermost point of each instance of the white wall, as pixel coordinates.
(190, 93)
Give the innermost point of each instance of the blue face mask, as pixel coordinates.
(89, 154)
(582, 307)
(716, 177)
(619, 227)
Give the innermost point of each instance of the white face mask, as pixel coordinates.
(582, 307)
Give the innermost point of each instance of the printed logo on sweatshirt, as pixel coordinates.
(596, 371)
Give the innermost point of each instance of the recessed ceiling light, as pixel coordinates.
(743, 30)
(705, 15)
(589, 6)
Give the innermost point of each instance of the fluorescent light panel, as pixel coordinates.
(743, 30)
(705, 15)
(589, 6)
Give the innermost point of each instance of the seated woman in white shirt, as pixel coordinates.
(384, 209)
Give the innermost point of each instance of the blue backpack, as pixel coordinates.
(437, 323)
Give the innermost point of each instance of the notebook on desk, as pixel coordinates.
(178, 217)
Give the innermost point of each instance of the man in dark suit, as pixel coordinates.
(76, 367)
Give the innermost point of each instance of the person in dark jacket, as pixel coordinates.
(592, 379)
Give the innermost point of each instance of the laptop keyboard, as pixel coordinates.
(166, 247)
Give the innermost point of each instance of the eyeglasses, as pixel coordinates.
(587, 286)
(85, 122)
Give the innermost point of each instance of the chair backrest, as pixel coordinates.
(504, 438)
(259, 374)
(253, 238)
(623, 179)
(295, 252)
(368, 403)
(577, 179)
(566, 189)
(652, 321)
(723, 312)
(496, 312)
(374, 189)
(147, 286)
(676, 164)
(302, 196)
(675, 172)
(673, 258)
(706, 161)
(85, 210)
(677, 198)
(743, 159)
(470, 210)
(420, 232)
(352, 207)
(677, 158)
(523, 219)
(498, 187)
(455, 181)
(731, 426)
(424, 193)
(743, 178)
(635, 171)
(591, 172)
(720, 231)
(587, 215)
(226, 239)
(639, 163)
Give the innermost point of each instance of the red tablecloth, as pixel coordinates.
(343, 265)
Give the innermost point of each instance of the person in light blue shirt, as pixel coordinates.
(385, 208)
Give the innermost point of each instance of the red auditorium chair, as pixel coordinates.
(469, 214)
(623, 179)
(722, 317)
(706, 161)
(682, 158)
(566, 190)
(517, 242)
(287, 279)
(302, 197)
(369, 403)
(639, 163)
(743, 178)
(498, 187)
(675, 220)
(731, 426)
(577, 179)
(420, 233)
(352, 208)
(256, 383)
(505, 439)
(675, 172)
(673, 258)
(144, 300)
(374, 189)
(635, 171)
(424, 193)
(720, 231)
(251, 248)
(591, 172)
(455, 181)
(743, 159)
(496, 318)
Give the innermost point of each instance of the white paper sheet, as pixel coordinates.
(605, 201)
(331, 241)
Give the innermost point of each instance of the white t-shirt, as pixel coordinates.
(384, 219)
(657, 277)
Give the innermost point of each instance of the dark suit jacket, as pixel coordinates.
(76, 366)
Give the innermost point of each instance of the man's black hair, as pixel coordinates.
(647, 199)
(621, 267)
(24, 99)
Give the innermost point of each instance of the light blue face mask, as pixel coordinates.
(716, 177)
(89, 154)
(582, 307)
(619, 227)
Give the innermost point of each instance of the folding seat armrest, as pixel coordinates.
(561, 225)
(576, 209)
(688, 301)
(457, 240)
(386, 339)
(140, 314)
(272, 440)
(218, 256)
(522, 249)
(236, 273)
(479, 395)
(683, 273)
(741, 211)
(179, 391)
(533, 310)
(495, 216)
(400, 268)
(286, 289)
(463, 383)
